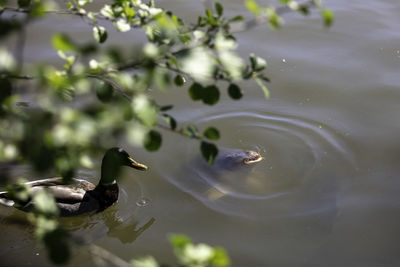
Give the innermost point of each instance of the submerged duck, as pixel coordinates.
(80, 196)
(231, 159)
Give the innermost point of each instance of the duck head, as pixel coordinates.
(112, 162)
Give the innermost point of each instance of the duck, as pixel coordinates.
(80, 196)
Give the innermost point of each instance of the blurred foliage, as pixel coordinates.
(189, 254)
(43, 216)
(56, 118)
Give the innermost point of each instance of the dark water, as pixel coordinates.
(327, 191)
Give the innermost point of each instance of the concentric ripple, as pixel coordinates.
(302, 165)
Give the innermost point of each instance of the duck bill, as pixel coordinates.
(251, 161)
(253, 157)
(137, 165)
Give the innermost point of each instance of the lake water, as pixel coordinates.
(327, 191)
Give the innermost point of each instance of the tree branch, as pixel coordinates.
(56, 12)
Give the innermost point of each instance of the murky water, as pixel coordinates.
(300, 159)
(327, 191)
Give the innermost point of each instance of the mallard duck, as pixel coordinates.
(80, 196)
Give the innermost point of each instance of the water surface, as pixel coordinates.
(326, 193)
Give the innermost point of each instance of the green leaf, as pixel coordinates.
(210, 17)
(257, 63)
(45, 204)
(130, 12)
(220, 257)
(107, 12)
(100, 34)
(198, 255)
(150, 50)
(234, 91)
(105, 92)
(253, 7)
(147, 261)
(145, 110)
(70, 6)
(224, 42)
(274, 20)
(211, 95)
(179, 80)
(211, 133)
(24, 3)
(191, 131)
(179, 241)
(152, 141)
(166, 108)
(328, 17)
(83, 3)
(69, 58)
(209, 13)
(196, 91)
(236, 18)
(198, 63)
(303, 9)
(161, 78)
(63, 42)
(209, 151)
(263, 87)
(19, 191)
(170, 120)
(201, 21)
(185, 38)
(122, 25)
(38, 10)
(7, 60)
(219, 8)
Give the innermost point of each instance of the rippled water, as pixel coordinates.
(326, 192)
(300, 159)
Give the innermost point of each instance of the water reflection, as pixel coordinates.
(303, 164)
(121, 221)
(85, 230)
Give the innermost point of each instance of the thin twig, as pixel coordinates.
(16, 77)
(56, 12)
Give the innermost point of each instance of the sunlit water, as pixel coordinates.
(326, 192)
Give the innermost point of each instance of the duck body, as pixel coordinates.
(80, 196)
(75, 198)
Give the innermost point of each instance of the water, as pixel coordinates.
(326, 193)
(300, 157)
